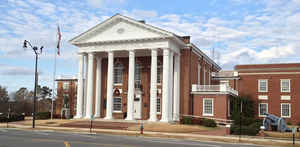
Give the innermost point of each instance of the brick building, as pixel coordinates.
(66, 96)
(275, 88)
(131, 70)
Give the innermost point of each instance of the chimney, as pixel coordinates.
(186, 39)
(142, 21)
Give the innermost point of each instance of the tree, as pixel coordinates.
(21, 94)
(3, 95)
(244, 122)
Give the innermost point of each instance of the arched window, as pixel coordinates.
(159, 72)
(137, 77)
(118, 73)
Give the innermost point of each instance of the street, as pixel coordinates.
(37, 138)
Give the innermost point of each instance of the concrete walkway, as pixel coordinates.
(232, 139)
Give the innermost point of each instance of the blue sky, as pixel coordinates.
(241, 31)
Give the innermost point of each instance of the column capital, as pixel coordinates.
(91, 54)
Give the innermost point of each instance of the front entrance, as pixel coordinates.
(137, 107)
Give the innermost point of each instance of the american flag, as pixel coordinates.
(58, 40)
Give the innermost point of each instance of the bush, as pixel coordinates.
(209, 122)
(187, 120)
(289, 123)
(42, 115)
(13, 117)
(298, 124)
(251, 129)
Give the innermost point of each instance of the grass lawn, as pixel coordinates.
(172, 128)
(281, 135)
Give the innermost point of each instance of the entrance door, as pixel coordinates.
(137, 105)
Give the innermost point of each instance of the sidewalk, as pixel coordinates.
(229, 139)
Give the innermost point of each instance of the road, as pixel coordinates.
(31, 138)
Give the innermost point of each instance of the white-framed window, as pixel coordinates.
(159, 72)
(66, 85)
(286, 110)
(285, 85)
(262, 109)
(117, 104)
(158, 102)
(263, 85)
(208, 107)
(118, 73)
(199, 73)
(137, 76)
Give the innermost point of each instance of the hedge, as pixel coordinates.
(12, 117)
(43, 115)
(209, 122)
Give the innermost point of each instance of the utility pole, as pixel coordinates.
(36, 52)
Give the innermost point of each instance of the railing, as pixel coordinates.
(213, 88)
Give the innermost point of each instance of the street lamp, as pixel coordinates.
(35, 49)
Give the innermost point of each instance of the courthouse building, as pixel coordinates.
(131, 70)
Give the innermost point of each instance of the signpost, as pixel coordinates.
(294, 134)
(91, 125)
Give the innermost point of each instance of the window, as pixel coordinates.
(137, 76)
(199, 73)
(159, 71)
(204, 76)
(208, 107)
(66, 85)
(262, 109)
(66, 100)
(158, 105)
(117, 104)
(285, 110)
(262, 85)
(118, 73)
(285, 85)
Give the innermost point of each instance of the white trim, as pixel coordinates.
(267, 109)
(203, 112)
(270, 73)
(260, 80)
(284, 80)
(290, 111)
(285, 97)
(263, 97)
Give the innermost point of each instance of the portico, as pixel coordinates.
(118, 45)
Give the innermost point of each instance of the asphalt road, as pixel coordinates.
(29, 138)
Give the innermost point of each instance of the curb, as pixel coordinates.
(194, 137)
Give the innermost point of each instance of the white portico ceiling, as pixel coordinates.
(123, 33)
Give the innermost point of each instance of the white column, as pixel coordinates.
(110, 76)
(165, 95)
(130, 94)
(85, 84)
(80, 85)
(153, 86)
(171, 86)
(176, 93)
(90, 87)
(98, 88)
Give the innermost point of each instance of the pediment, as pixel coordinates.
(119, 28)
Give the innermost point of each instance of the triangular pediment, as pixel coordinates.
(119, 28)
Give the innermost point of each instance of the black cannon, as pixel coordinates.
(276, 123)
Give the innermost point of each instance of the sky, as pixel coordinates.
(240, 31)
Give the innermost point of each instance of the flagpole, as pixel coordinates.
(53, 89)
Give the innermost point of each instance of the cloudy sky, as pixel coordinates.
(240, 31)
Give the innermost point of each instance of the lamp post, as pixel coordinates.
(35, 49)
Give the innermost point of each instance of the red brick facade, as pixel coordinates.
(273, 73)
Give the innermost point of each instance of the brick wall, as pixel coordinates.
(248, 85)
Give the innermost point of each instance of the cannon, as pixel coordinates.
(276, 123)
